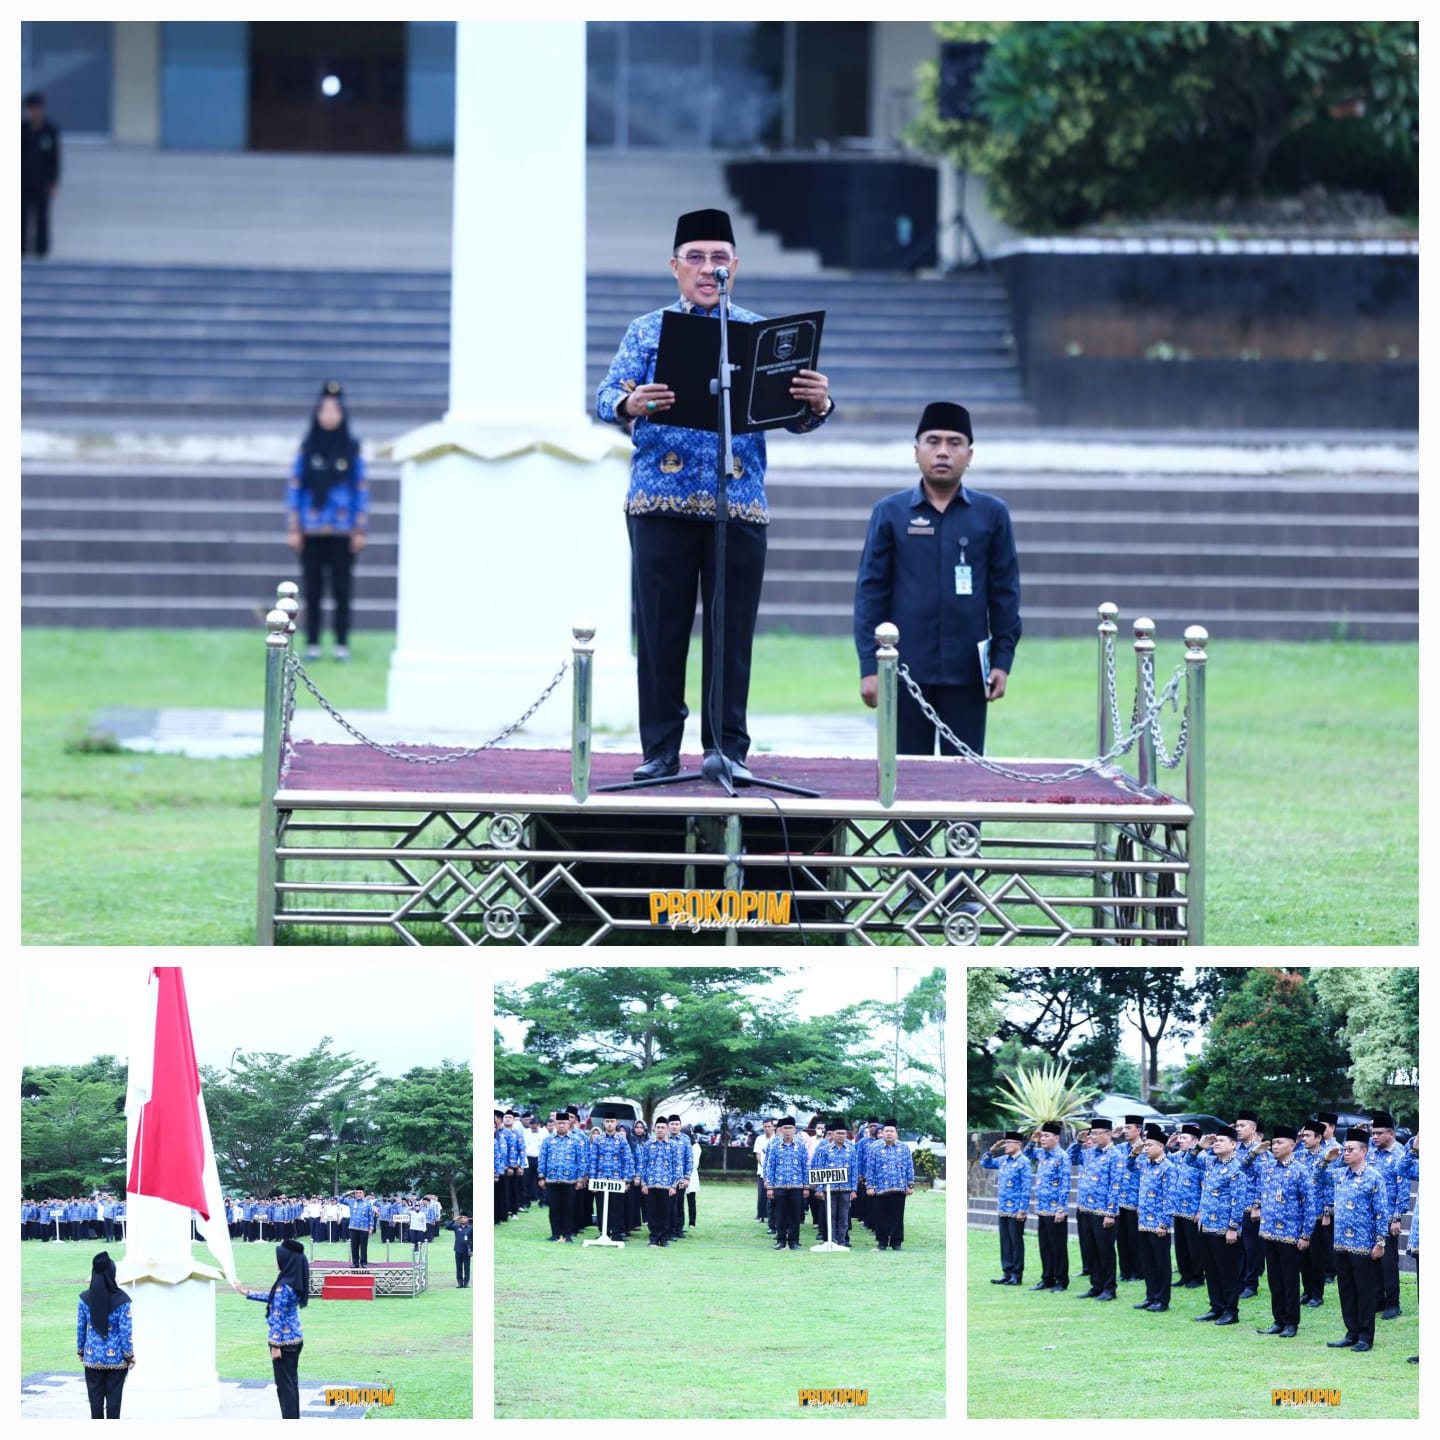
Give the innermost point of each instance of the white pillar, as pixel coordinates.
(511, 521)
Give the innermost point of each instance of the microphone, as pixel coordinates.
(722, 274)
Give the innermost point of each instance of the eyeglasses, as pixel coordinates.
(696, 258)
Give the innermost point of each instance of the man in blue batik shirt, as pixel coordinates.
(1154, 1214)
(1098, 1203)
(1254, 1159)
(563, 1163)
(611, 1158)
(1387, 1155)
(1012, 1201)
(1287, 1217)
(787, 1184)
(1317, 1158)
(1362, 1218)
(890, 1177)
(1223, 1194)
(1189, 1257)
(1127, 1232)
(659, 1168)
(836, 1152)
(670, 510)
(362, 1225)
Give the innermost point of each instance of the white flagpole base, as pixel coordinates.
(174, 1377)
(612, 1244)
(830, 1245)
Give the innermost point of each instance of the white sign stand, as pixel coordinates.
(606, 1188)
(828, 1178)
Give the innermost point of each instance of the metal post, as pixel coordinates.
(887, 639)
(581, 710)
(733, 873)
(1196, 638)
(1104, 738)
(1144, 665)
(277, 645)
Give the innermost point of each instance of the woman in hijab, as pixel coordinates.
(283, 1303)
(103, 1339)
(327, 505)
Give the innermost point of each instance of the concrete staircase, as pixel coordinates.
(1289, 557)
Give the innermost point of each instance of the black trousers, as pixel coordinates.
(287, 1380)
(690, 1197)
(1355, 1280)
(615, 1218)
(462, 1269)
(1387, 1275)
(673, 562)
(1127, 1243)
(1282, 1269)
(499, 1201)
(359, 1248)
(327, 556)
(1316, 1261)
(35, 213)
(961, 707)
(104, 1388)
(677, 1213)
(634, 1208)
(760, 1201)
(562, 1207)
(514, 1188)
(860, 1205)
(788, 1207)
(657, 1211)
(1087, 1243)
(1054, 1240)
(1155, 1266)
(887, 1208)
(839, 1213)
(1189, 1258)
(1222, 1272)
(1012, 1246)
(1252, 1254)
(1102, 1252)
(532, 1179)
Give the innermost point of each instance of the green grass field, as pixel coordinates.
(738, 1327)
(1026, 1348)
(423, 1347)
(1312, 756)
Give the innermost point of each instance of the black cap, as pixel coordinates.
(499, 1115)
(1228, 1131)
(1134, 1119)
(1327, 1117)
(942, 415)
(1052, 1127)
(892, 1121)
(788, 1120)
(1313, 1125)
(1099, 1122)
(1358, 1132)
(837, 1122)
(703, 225)
(1154, 1132)
(1014, 1135)
(1248, 1115)
(1284, 1132)
(1189, 1128)
(34, 98)
(1382, 1120)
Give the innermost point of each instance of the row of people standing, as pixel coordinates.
(101, 1217)
(1304, 1208)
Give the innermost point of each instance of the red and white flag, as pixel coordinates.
(171, 1155)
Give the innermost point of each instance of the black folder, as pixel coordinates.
(767, 354)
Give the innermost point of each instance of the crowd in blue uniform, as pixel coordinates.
(660, 1170)
(1298, 1205)
(91, 1217)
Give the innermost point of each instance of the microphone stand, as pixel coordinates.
(717, 765)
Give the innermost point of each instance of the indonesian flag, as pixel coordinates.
(171, 1156)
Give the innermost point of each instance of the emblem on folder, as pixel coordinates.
(786, 341)
(671, 463)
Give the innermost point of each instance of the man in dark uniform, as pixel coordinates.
(940, 563)
(464, 1249)
(671, 512)
(39, 174)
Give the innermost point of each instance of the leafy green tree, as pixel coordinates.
(1051, 1007)
(72, 1136)
(1272, 1047)
(985, 990)
(1381, 1030)
(425, 1121)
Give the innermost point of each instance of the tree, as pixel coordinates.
(1272, 1047)
(922, 1017)
(1381, 1030)
(72, 1136)
(1082, 120)
(985, 989)
(425, 1121)
(1050, 1006)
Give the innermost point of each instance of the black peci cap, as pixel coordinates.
(1015, 1135)
(1248, 1115)
(1099, 1122)
(1134, 1119)
(1358, 1133)
(1052, 1127)
(1228, 1131)
(891, 1124)
(1382, 1120)
(703, 225)
(1189, 1128)
(1284, 1132)
(943, 415)
(1327, 1117)
(1154, 1132)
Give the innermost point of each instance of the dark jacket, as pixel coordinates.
(464, 1237)
(39, 156)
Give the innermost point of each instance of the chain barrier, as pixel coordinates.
(287, 716)
(1074, 772)
(1115, 724)
(295, 668)
(1166, 759)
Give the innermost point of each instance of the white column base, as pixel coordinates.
(174, 1376)
(609, 1244)
(830, 1245)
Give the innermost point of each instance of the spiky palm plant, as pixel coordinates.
(1046, 1093)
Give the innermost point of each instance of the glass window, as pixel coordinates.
(70, 63)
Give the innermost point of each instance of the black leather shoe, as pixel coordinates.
(1143, 1305)
(1248, 1294)
(1004, 1280)
(740, 772)
(1157, 1308)
(1058, 1289)
(1106, 1295)
(1209, 1315)
(1393, 1313)
(794, 1245)
(658, 768)
(778, 1245)
(1273, 1330)
(1289, 1332)
(1228, 1318)
(1311, 1301)
(1414, 1360)
(1360, 1345)
(1043, 1285)
(1087, 1295)
(1340, 1344)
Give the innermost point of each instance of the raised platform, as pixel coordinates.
(494, 848)
(391, 1277)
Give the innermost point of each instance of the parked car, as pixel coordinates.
(913, 1141)
(1208, 1124)
(1115, 1107)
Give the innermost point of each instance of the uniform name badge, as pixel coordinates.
(964, 584)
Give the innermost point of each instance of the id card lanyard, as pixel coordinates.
(964, 584)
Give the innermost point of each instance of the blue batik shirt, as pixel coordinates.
(684, 1156)
(1052, 1178)
(1223, 1193)
(1013, 1187)
(1254, 1162)
(889, 1167)
(659, 1164)
(563, 1158)
(787, 1167)
(673, 470)
(105, 1352)
(1130, 1176)
(346, 504)
(283, 1316)
(515, 1143)
(830, 1156)
(1287, 1202)
(1322, 1177)
(1186, 1195)
(1100, 1171)
(1155, 1193)
(1362, 1209)
(1408, 1170)
(362, 1215)
(611, 1158)
(1389, 1163)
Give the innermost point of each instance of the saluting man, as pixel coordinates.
(1385, 1154)
(1101, 1165)
(1154, 1213)
(1223, 1194)
(1189, 1258)
(890, 1177)
(1317, 1158)
(1012, 1203)
(1248, 1137)
(1287, 1217)
(1362, 1219)
(1127, 1231)
(1052, 1205)
(787, 1184)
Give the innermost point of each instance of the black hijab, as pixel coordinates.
(104, 1296)
(294, 1272)
(327, 445)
